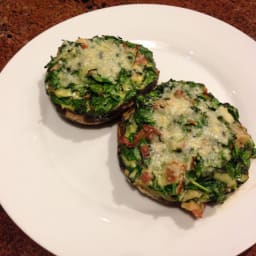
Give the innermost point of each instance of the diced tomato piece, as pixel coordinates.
(144, 149)
(191, 122)
(150, 129)
(198, 213)
(55, 67)
(179, 93)
(146, 132)
(170, 175)
(196, 208)
(82, 42)
(173, 171)
(125, 141)
(205, 91)
(140, 59)
(138, 137)
(146, 177)
(180, 187)
(84, 46)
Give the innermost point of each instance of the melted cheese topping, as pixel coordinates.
(187, 133)
(104, 57)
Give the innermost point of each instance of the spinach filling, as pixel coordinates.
(209, 176)
(98, 75)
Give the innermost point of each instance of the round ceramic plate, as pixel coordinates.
(62, 184)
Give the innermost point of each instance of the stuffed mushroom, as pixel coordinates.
(93, 81)
(181, 145)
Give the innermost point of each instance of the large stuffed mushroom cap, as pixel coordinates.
(181, 145)
(93, 81)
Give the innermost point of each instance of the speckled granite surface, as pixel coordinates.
(22, 20)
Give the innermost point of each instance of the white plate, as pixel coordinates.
(62, 185)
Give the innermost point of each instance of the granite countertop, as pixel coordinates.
(22, 20)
